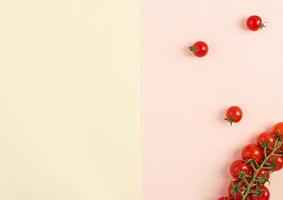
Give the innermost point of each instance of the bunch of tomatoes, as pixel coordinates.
(258, 161)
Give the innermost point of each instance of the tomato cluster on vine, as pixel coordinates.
(259, 160)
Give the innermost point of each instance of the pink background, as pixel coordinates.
(186, 145)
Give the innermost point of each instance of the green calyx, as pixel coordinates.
(257, 191)
(262, 180)
(262, 25)
(193, 48)
(236, 188)
(230, 120)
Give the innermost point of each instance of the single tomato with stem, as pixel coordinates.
(266, 140)
(238, 167)
(236, 189)
(252, 152)
(263, 176)
(275, 162)
(261, 193)
(254, 23)
(199, 48)
(234, 114)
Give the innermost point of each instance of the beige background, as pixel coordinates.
(69, 99)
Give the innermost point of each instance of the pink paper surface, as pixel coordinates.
(186, 145)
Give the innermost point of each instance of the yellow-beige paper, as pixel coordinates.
(69, 96)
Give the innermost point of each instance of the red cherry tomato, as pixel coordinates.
(266, 139)
(263, 173)
(252, 151)
(199, 48)
(234, 114)
(236, 189)
(254, 23)
(277, 162)
(278, 129)
(225, 198)
(239, 166)
(265, 194)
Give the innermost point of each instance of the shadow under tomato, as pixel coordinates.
(222, 115)
(187, 52)
(243, 24)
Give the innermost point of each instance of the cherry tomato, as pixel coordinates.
(278, 129)
(225, 198)
(264, 173)
(252, 151)
(267, 139)
(234, 114)
(263, 176)
(199, 48)
(265, 194)
(254, 23)
(239, 166)
(277, 162)
(236, 189)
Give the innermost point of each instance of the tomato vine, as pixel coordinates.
(259, 161)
